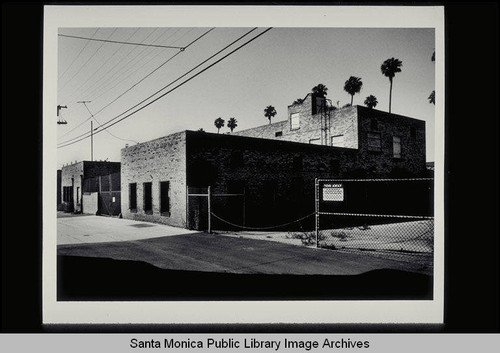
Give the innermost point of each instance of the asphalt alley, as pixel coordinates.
(179, 249)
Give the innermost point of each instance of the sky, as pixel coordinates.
(278, 67)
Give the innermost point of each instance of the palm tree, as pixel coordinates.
(232, 123)
(269, 112)
(389, 69)
(431, 98)
(219, 122)
(298, 101)
(320, 90)
(371, 101)
(353, 86)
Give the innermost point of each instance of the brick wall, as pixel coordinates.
(309, 125)
(353, 125)
(282, 168)
(163, 159)
(75, 174)
(412, 139)
(344, 121)
(71, 175)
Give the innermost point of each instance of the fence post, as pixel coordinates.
(187, 206)
(209, 212)
(316, 205)
(244, 201)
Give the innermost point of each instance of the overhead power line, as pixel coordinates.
(105, 62)
(165, 87)
(171, 90)
(130, 88)
(90, 58)
(128, 43)
(152, 72)
(105, 80)
(78, 55)
(135, 84)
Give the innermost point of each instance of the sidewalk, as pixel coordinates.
(89, 229)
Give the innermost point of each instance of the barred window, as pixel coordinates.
(148, 197)
(165, 198)
(396, 146)
(132, 196)
(374, 143)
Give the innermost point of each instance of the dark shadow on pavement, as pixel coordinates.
(104, 279)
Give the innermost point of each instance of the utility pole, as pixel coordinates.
(91, 131)
(91, 141)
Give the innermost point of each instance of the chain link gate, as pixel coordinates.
(391, 218)
(108, 189)
(202, 203)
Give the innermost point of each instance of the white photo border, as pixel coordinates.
(245, 312)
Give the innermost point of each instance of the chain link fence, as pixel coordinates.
(390, 218)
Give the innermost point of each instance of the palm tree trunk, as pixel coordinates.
(390, 94)
(352, 96)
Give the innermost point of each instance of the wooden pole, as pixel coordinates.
(91, 140)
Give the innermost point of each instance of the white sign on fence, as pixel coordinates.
(333, 192)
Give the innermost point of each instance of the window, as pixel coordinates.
(278, 133)
(294, 121)
(132, 196)
(374, 124)
(315, 141)
(67, 193)
(164, 198)
(396, 146)
(297, 163)
(374, 143)
(148, 197)
(338, 141)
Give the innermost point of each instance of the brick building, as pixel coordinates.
(274, 165)
(386, 144)
(59, 190)
(75, 176)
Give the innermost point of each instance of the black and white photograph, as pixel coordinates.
(219, 165)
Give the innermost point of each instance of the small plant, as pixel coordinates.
(364, 227)
(307, 238)
(339, 234)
